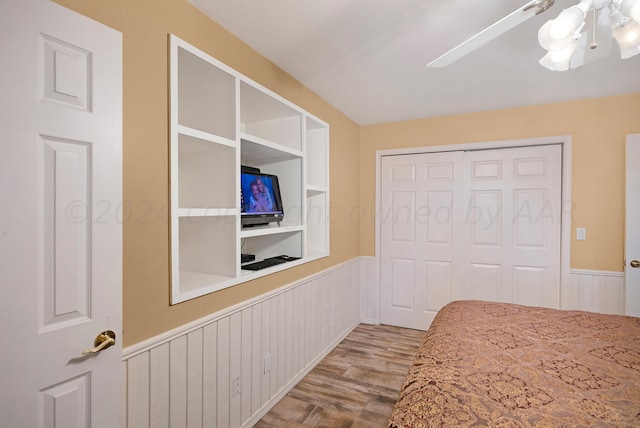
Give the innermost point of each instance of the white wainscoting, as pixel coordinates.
(369, 291)
(595, 291)
(587, 290)
(211, 372)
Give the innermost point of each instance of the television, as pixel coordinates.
(260, 199)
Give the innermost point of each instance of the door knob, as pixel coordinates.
(104, 340)
(634, 263)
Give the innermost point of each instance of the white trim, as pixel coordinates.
(564, 140)
(597, 272)
(167, 336)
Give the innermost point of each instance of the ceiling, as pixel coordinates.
(367, 57)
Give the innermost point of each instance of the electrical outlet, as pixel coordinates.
(236, 387)
(267, 363)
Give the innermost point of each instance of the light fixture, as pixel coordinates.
(627, 34)
(561, 36)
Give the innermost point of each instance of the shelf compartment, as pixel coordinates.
(317, 224)
(207, 253)
(289, 172)
(264, 246)
(204, 170)
(206, 94)
(267, 116)
(316, 155)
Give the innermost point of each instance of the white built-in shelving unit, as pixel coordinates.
(220, 120)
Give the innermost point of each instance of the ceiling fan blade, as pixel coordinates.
(510, 21)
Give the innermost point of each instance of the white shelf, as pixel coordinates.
(316, 189)
(268, 230)
(259, 149)
(194, 281)
(221, 120)
(207, 212)
(196, 133)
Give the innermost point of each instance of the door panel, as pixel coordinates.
(632, 229)
(469, 225)
(515, 197)
(60, 234)
(420, 245)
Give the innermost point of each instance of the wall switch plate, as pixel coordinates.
(581, 234)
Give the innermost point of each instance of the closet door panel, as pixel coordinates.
(420, 252)
(515, 197)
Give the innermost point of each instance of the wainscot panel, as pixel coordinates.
(595, 291)
(229, 369)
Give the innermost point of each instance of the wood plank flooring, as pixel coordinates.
(355, 386)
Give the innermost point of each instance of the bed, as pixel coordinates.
(499, 364)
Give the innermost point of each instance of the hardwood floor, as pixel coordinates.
(356, 385)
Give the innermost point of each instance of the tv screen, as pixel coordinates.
(260, 198)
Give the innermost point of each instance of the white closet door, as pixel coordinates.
(632, 228)
(468, 225)
(422, 266)
(512, 225)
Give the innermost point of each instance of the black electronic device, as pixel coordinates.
(260, 199)
(287, 258)
(263, 264)
(246, 258)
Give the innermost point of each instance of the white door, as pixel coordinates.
(632, 229)
(60, 235)
(469, 225)
(512, 225)
(421, 241)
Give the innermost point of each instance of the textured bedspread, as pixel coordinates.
(497, 364)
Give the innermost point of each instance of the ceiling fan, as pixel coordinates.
(567, 45)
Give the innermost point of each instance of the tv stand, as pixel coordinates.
(221, 122)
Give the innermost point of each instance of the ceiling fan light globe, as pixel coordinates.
(543, 35)
(568, 22)
(547, 62)
(552, 44)
(559, 30)
(560, 59)
(628, 38)
(562, 55)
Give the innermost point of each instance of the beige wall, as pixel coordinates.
(598, 127)
(145, 25)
